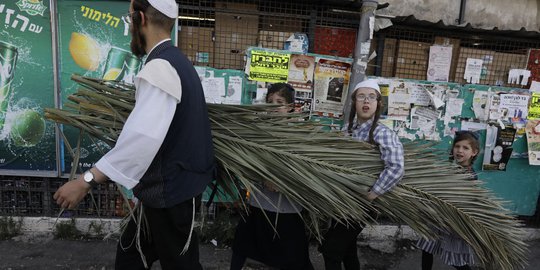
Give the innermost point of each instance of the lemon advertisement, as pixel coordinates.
(94, 41)
(27, 141)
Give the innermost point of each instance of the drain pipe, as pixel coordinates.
(462, 11)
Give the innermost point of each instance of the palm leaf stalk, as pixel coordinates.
(326, 172)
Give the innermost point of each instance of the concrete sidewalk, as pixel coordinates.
(380, 247)
(42, 252)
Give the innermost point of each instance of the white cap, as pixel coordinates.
(167, 7)
(369, 83)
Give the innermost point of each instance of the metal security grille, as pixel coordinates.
(33, 196)
(217, 33)
(403, 52)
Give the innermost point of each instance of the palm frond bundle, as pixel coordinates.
(326, 172)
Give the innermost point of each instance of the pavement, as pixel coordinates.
(380, 248)
(44, 252)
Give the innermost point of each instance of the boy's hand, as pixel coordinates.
(372, 196)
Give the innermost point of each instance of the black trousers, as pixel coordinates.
(163, 239)
(339, 246)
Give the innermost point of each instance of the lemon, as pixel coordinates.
(112, 74)
(27, 129)
(85, 51)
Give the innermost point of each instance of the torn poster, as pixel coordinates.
(480, 105)
(533, 141)
(399, 105)
(473, 70)
(419, 95)
(424, 119)
(454, 107)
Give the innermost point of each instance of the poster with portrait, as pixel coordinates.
(301, 69)
(331, 81)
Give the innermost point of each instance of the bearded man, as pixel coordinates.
(164, 153)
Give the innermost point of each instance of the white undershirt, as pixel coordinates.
(158, 92)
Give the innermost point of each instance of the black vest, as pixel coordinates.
(184, 164)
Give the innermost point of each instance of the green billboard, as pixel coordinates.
(27, 141)
(94, 41)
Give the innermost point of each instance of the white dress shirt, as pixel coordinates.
(159, 90)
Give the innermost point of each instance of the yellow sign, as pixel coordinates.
(534, 109)
(266, 66)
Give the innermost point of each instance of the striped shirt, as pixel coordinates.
(391, 153)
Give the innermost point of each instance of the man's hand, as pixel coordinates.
(71, 193)
(372, 196)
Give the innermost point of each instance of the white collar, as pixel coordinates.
(159, 43)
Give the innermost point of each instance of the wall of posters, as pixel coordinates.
(27, 141)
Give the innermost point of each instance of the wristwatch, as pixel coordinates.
(89, 178)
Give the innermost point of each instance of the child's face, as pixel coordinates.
(366, 103)
(463, 153)
(277, 99)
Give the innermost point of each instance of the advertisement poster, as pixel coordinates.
(513, 106)
(498, 149)
(301, 71)
(331, 84)
(268, 66)
(440, 58)
(533, 141)
(27, 141)
(534, 107)
(399, 105)
(94, 41)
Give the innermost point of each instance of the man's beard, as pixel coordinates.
(138, 41)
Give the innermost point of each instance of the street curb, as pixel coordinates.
(38, 225)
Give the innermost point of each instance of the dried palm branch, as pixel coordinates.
(326, 172)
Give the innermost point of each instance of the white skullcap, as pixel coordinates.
(167, 7)
(369, 83)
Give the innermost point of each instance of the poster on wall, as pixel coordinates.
(27, 141)
(513, 106)
(301, 71)
(473, 70)
(268, 66)
(399, 104)
(498, 149)
(440, 59)
(533, 141)
(534, 106)
(330, 87)
(94, 41)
